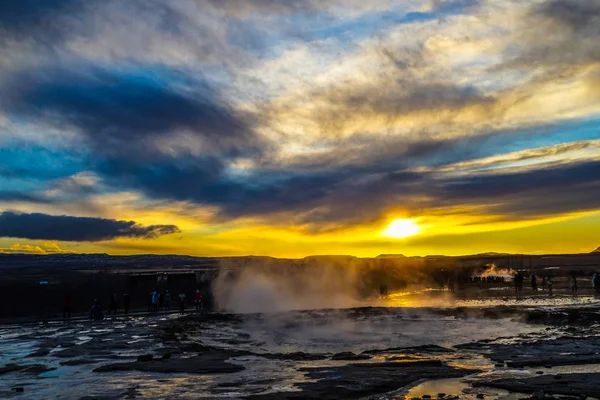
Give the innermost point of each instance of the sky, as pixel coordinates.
(291, 128)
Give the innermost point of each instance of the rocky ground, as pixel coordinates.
(496, 352)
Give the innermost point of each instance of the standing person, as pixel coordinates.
(67, 308)
(113, 304)
(595, 283)
(534, 285)
(574, 285)
(544, 283)
(155, 296)
(519, 278)
(167, 301)
(549, 282)
(96, 313)
(182, 298)
(198, 300)
(126, 302)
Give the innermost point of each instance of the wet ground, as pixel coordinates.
(495, 348)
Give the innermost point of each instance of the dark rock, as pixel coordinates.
(10, 368)
(166, 356)
(206, 363)
(297, 356)
(441, 395)
(359, 380)
(83, 350)
(37, 369)
(39, 353)
(480, 395)
(72, 363)
(145, 358)
(349, 356)
(195, 348)
(18, 389)
(567, 384)
(428, 349)
(30, 369)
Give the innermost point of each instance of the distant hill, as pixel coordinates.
(391, 256)
(596, 251)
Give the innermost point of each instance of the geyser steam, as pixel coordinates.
(262, 287)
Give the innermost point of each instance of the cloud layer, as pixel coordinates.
(66, 228)
(310, 116)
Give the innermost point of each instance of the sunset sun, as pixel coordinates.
(402, 228)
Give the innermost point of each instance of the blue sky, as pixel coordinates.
(293, 127)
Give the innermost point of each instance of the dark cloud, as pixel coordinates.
(77, 229)
(326, 196)
(391, 100)
(25, 14)
(13, 196)
(540, 192)
(573, 44)
(117, 112)
(576, 14)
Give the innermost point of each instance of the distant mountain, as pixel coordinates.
(597, 250)
(490, 254)
(391, 256)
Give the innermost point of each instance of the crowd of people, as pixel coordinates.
(488, 279)
(162, 301)
(546, 283)
(538, 283)
(157, 301)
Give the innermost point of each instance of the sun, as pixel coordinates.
(402, 228)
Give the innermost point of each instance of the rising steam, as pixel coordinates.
(262, 287)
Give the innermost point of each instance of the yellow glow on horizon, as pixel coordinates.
(402, 228)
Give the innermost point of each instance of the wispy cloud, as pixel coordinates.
(320, 116)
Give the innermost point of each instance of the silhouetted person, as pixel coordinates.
(182, 298)
(549, 282)
(574, 285)
(113, 304)
(67, 308)
(167, 301)
(126, 302)
(534, 285)
(519, 279)
(155, 297)
(198, 300)
(96, 313)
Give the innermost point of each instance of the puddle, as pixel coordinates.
(451, 387)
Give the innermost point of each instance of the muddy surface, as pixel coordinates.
(469, 350)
